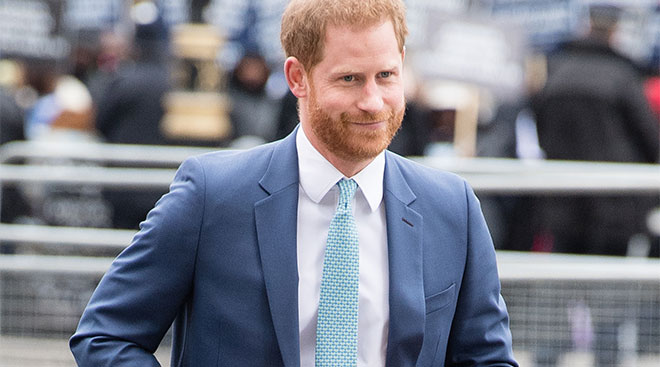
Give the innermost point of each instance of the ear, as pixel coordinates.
(296, 77)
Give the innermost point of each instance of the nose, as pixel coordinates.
(371, 98)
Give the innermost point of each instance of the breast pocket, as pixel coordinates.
(440, 300)
(438, 324)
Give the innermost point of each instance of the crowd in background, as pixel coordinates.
(591, 103)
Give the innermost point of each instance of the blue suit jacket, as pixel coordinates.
(218, 255)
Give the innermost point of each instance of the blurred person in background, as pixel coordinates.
(652, 85)
(652, 91)
(113, 52)
(12, 119)
(84, 54)
(507, 129)
(62, 107)
(254, 112)
(131, 106)
(593, 108)
(498, 136)
(262, 108)
(11, 114)
(41, 78)
(61, 112)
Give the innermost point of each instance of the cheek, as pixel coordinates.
(395, 100)
(336, 104)
(392, 94)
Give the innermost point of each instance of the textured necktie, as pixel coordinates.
(337, 328)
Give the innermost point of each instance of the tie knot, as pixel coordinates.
(347, 188)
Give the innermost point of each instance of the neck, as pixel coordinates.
(347, 168)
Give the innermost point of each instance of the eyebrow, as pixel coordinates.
(340, 72)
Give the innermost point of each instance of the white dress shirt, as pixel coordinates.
(317, 202)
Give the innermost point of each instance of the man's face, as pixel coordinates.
(356, 100)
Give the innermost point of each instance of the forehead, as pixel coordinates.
(360, 43)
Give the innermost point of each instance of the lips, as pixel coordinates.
(368, 123)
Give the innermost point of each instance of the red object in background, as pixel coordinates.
(652, 91)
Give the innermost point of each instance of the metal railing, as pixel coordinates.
(97, 152)
(57, 235)
(552, 300)
(487, 175)
(514, 176)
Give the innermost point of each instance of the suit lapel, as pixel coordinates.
(276, 218)
(276, 221)
(404, 237)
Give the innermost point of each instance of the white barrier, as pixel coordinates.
(511, 265)
(487, 175)
(551, 299)
(86, 175)
(45, 264)
(77, 236)
(546, 266)
(98, 152)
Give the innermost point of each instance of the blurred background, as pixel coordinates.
(549, 108)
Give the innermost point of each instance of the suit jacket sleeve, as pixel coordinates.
(142, 292)
(480, 334)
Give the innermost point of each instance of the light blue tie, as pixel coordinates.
(337, 328)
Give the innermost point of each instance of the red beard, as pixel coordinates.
(348, 142)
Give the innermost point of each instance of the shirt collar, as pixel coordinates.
(318, 176)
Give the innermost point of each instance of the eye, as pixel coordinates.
(385, 74)
(348, 78)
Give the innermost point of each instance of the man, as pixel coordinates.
(593, 108)
(130, 108)
(236, 250)
(13, 205)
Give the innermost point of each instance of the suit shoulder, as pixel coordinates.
(228, 168)
(420, 174)
(242, 160)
